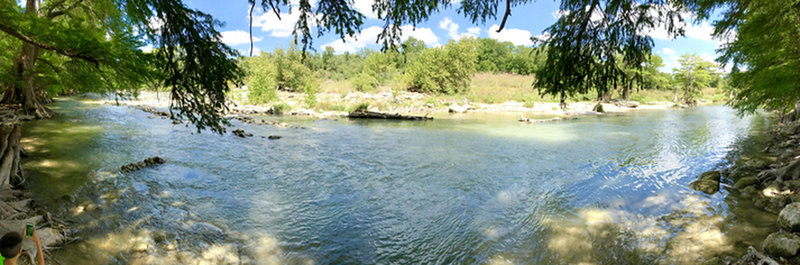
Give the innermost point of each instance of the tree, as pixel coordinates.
(98, 41)
(446, 70)
(762, 49)
(693, 75)
(585, 43)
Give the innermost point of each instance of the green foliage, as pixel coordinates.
(261, 81)
(281, 108)
(280, 70)
(446, 70)
(377, 68)
(765, 54)
(593, 41)
(361, 107)
(693, 75)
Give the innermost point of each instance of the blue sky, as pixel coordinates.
(525, 21)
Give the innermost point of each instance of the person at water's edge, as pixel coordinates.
(11, 248)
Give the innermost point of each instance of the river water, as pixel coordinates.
(468, 189)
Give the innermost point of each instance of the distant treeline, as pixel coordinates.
(445, 70)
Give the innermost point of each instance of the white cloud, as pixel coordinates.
(560, 13)
(146, 48)
(668, 51)
(707, 57)
(370, 36)
(236, 37)
(365, 7)
(424, 34)
(451, 27)
(702, 31)
(283, 27)
(515, 36)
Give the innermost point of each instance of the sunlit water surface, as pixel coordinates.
(471, 189)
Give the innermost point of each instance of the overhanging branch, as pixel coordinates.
(505, 16)
(10, 31)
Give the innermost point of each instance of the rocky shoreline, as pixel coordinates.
(772, 184)
(407, 103)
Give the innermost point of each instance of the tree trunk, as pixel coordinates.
(675, 99)
(10, 149)
(626, 92)
(22, 90)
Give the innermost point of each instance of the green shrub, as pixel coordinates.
(446, 70)
(280, 70)
(361, 107)
(281, 108)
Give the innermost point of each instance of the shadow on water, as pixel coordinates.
(598, 190)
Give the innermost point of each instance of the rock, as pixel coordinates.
(274, 137)
(626, 103)
(152, 161)
(708, 182)
(455, 108)
(744, 182)
(789, 218)
(782, 244)
(707, 186)
(598, 108)
(749, 192)
(241, 133)
(176, 122)
(711, 175)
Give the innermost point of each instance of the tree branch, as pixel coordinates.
(10, 31)
(505, 16)
(252, 6)
(53, 13)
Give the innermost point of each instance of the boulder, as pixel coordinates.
(455, 108)
(789, 218)
(707, 182)
(274, 137)
(598, 108)
(707, 186)
(744, 182)
(782, 244)
(241, 133)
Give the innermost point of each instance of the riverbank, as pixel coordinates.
(332, 105)
(16, 206)
(770, 181)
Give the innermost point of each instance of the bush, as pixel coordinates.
(445, 70)
(281, 70)
(281, 108)
(378, 67)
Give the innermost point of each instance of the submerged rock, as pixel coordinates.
(744, 182)
(708, 182)
(241, 133)
(152, 161)
(789, 218)
(274, 137)
(782, 244)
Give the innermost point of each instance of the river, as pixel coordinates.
(469, 189)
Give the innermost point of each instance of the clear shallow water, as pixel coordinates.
(479, 189)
